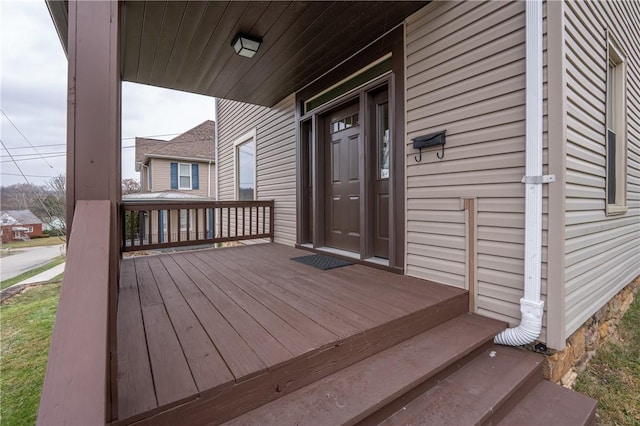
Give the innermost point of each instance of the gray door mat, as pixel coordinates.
(322, 262)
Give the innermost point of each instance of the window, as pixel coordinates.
(149, 185)
(184, 176)
(616, 129)
(29, 229)
(245, 160)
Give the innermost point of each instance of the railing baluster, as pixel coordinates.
(220, 222)
(139, 232)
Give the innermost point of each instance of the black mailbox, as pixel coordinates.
(427, 141)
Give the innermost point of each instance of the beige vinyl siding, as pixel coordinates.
(602, 253)
(465, 73)
(276, 156)
(161, 177)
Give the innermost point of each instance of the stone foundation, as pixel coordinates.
(563, 366)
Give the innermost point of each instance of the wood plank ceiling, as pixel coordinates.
(187, 45)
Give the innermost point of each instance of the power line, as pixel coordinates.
(33, 158)
(25, 138)
(13, 148)
(27, 180)
(18, 174)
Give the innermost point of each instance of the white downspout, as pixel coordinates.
(531, 307)
(215, 139)
(209, 180)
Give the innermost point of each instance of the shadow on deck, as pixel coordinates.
(215, 333)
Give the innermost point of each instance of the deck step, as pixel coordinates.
(356, 392)
(551, 405)
(476, 393)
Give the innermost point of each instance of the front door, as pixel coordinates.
(342, 171)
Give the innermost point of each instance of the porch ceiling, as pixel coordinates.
(187, 45)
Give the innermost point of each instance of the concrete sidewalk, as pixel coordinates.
(40, 278)
(44, 276)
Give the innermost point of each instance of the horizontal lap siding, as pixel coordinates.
(276, 156)
(602, 252)
(465, 71)
(161, 177)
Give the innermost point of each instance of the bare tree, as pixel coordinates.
(23, 196)
(130, 186)
(55, 203)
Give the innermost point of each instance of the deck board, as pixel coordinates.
(207, 366)
(235, 324)
(135, 384)
(171, 373)
(285, 333)
(262, 343)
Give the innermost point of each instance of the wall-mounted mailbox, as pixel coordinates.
(427, 141)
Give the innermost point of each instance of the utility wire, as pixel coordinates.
(18, 174)
(32, 158)
(27, 180)
(25, 138)
(35, 156)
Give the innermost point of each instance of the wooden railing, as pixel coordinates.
(153, 225)
(75, 389)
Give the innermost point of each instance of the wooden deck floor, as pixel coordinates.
(193, 325)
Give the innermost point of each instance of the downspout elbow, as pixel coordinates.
(529, 328)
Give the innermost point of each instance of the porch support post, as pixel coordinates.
(93, 124)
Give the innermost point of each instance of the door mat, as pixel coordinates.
(322, 262)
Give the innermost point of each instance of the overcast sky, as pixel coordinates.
(33, 87)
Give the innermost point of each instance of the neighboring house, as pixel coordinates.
(184, 163)
(182, 168)
(489, 150)
(19, 225)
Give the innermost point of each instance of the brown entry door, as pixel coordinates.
(381, 169)
(342, 162)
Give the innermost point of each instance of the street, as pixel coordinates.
(22, 260)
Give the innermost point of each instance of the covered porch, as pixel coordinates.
(214, 333)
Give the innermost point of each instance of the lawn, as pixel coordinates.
(613, 375)
(11, 281)
(26, 323)
(34, 242)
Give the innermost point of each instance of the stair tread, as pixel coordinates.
(471, 394)
(353, 393)
(549, 404)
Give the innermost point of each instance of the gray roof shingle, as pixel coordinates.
(20, 217)
(195, 143)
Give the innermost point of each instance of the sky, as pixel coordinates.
(33, 100)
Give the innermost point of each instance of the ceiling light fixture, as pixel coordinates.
(245, 45)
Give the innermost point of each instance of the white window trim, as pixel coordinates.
(247, 137)
(190, 176)
(620, 127)
(29, 229)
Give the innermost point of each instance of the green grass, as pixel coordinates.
(26, 323)
(613, 375)
(34, 242)
(33, 272)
